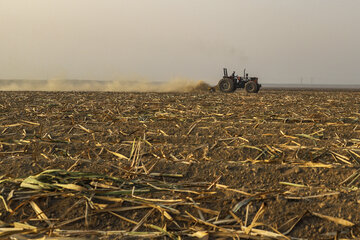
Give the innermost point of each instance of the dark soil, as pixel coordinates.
(290, 150)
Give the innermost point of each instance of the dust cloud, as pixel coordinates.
(174, 85)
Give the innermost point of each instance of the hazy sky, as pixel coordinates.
(277, 40)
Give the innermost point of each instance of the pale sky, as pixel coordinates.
(280, 41)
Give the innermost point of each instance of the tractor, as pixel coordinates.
(230, 83)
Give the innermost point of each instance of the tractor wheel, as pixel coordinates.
(227, 85)
(251, 87)
(258, 88)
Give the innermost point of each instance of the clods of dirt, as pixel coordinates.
(277, 164)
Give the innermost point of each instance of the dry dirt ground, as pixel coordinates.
(199, 165)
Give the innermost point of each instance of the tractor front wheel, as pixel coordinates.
(227, 85)
(251, 87)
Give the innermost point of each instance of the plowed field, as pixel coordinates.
(199, 165)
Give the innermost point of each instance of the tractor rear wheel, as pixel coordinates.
(227, 85)
(251, 87)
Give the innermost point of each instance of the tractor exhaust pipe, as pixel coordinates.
(225, 72)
